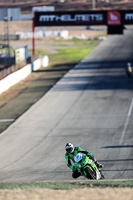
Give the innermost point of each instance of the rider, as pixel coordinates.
(71, 151)
(129, 69)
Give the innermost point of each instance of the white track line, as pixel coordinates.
(126, 123)
(7, 120)
(131, 107)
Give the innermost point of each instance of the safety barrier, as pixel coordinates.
(21, 74)
(42, 34)
(7, 70)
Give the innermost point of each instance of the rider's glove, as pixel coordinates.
(91, 157)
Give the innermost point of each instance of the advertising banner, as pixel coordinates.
(43, 9)
(73, 18)
(127, 17)
(21, 54)
(114, 18)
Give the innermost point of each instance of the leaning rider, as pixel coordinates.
(71, 151)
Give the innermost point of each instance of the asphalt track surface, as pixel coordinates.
(91, 106)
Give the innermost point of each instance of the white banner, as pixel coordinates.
(43, 9)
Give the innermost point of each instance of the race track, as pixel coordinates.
(92, 107)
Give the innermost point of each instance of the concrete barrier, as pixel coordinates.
(44, 61)
(21, 74)
(40, 62)
(14, 78)
(36, 64)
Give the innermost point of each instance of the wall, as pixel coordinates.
(21, 74)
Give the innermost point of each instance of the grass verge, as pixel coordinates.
(67, 185)
(72, 51)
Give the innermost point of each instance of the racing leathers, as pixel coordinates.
(70, 158)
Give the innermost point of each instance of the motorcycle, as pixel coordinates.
(87, 167)
(129, 70)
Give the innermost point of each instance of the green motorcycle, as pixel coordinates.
(87, 167)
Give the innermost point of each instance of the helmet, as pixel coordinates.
(69, 148)
(128, 64)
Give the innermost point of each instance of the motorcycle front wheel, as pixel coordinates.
(89, 173)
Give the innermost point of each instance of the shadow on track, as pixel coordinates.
(118, 146)
(100, 75)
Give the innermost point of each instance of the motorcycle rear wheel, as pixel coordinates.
(89, 173)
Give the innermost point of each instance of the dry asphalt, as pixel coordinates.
(91, 106)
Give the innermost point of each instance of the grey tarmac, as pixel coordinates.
(91, 106)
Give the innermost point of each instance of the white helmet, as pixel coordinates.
(129, 64)
(69, 148)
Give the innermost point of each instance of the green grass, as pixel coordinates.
(67, 185)
(68, 51)
(69, 55)
(73, 53)
(38, 51)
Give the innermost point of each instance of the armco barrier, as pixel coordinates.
(21, 74)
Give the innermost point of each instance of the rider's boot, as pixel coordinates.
(75, 173)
